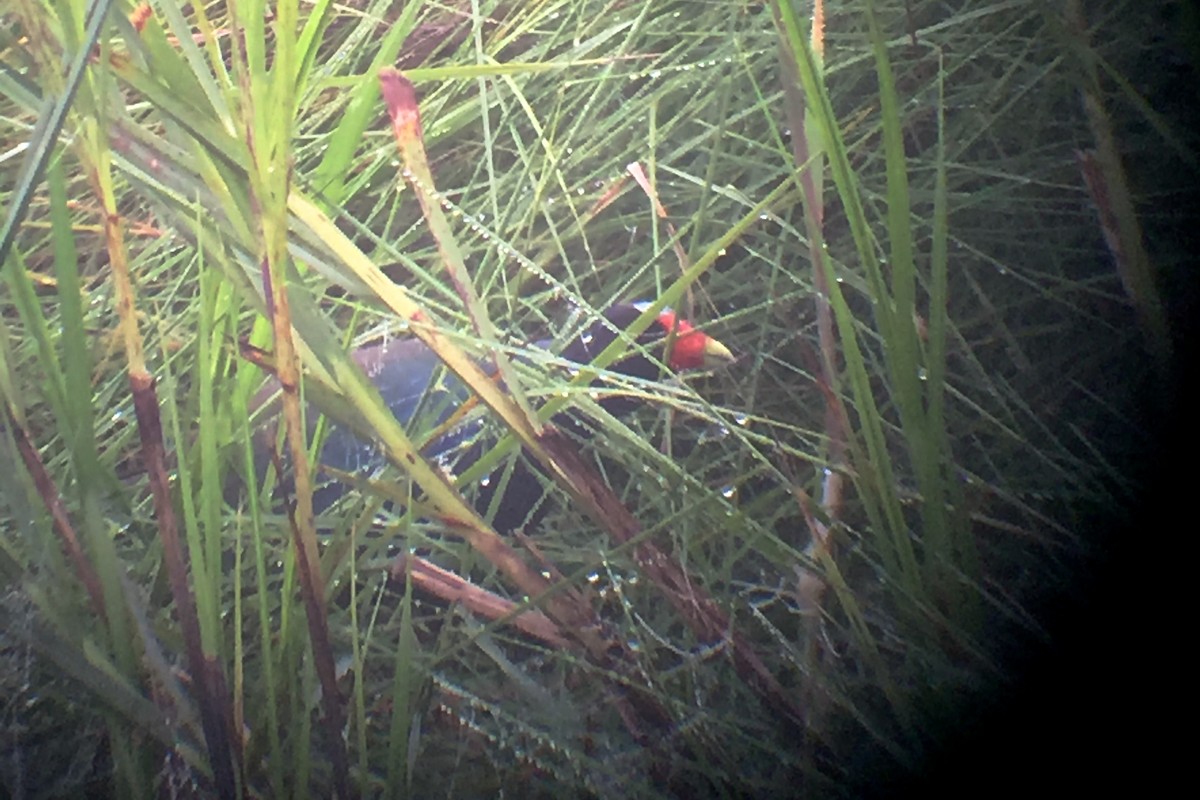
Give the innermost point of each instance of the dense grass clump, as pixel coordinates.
(941, 239)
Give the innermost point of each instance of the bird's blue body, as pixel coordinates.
(423, 394)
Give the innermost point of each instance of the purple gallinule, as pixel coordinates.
(422, 395)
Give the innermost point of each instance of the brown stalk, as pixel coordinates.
(1105, 179)
(810, 165)
(455, 589)
(561, 460)
(400, 97)
(268, 203)
(212, 693)
(568, 608)
(302, 526)
(58, 513)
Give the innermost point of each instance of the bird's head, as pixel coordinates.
(688, 348)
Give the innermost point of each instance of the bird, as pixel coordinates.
(423, 395)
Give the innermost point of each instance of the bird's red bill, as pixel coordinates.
(692, 349)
